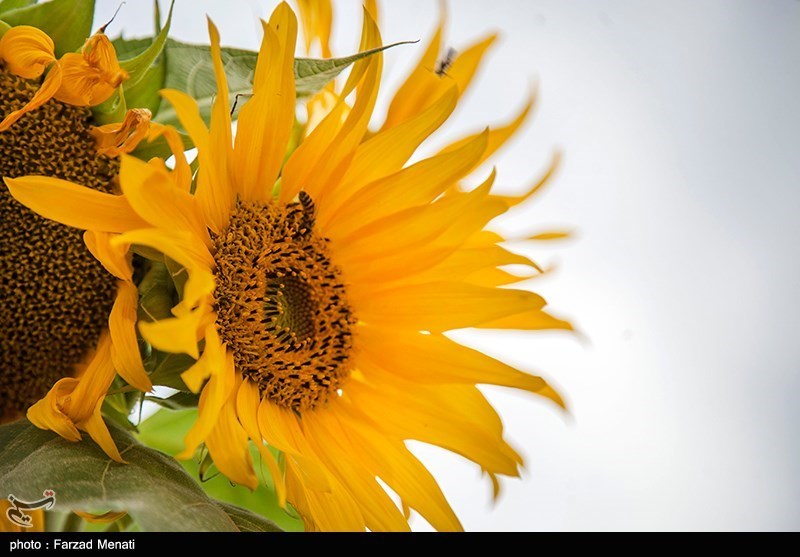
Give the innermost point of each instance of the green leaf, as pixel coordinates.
(67, 22)
(312, 75)
(178, 401)
(156, 294)
(167, 369)
(115, 409)
(189, 69)
(165, 431)
(146, 150)
(247, 521)
(138, 66)
(130, 48)
(152, 487)
(4, 27)
(8, 5)
(148, 71)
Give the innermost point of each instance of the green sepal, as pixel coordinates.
(112, 110)
(147, 70)
(138, 66)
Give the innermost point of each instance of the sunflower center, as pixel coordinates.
(54, 296)
(281, 304)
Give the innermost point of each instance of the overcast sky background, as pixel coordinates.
(680, 126)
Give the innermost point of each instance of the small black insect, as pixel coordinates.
(446, 63)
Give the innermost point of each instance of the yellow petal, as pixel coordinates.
(415, 239)
(333, 510)
(91, 77)
(386, 153)
(92, 384)
(123, 137)
(155, 198)
(125, 346)
(330, 440)
(196, 292)
(410, 411)
(182, 173)
(280, 429)
(404, 473)
(467, 261)
(406, 102)
(247, 401)
(46, 414)
(538, 185)
(372, 7)
(216, 393)
(498, 136)
(265, 122)
(229, 448)
(529, 321)
(82, 84)
(317, 19)
(26, 51)
(78, 206)
(416, 185)
(115, 260)
(98, 431)
(46, 92)
(441, 306)
(424, 85)
(189, 116)
(100, 54)
(434, 359)
(214, 188)
(182, 247)
(212, 361)
(178, 335)
(551, 235)
(319, 162)
(105, 518)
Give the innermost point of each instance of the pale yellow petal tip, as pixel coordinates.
(213, 31)
(552, 235)
(496, 487)
(550, 393)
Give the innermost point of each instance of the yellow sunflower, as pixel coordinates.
(320, 289)
(68, 313)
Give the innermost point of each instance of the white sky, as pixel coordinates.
(678, 121)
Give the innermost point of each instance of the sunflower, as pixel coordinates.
(320, 289)
(56, 294)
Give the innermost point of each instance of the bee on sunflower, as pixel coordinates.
(321, 285)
